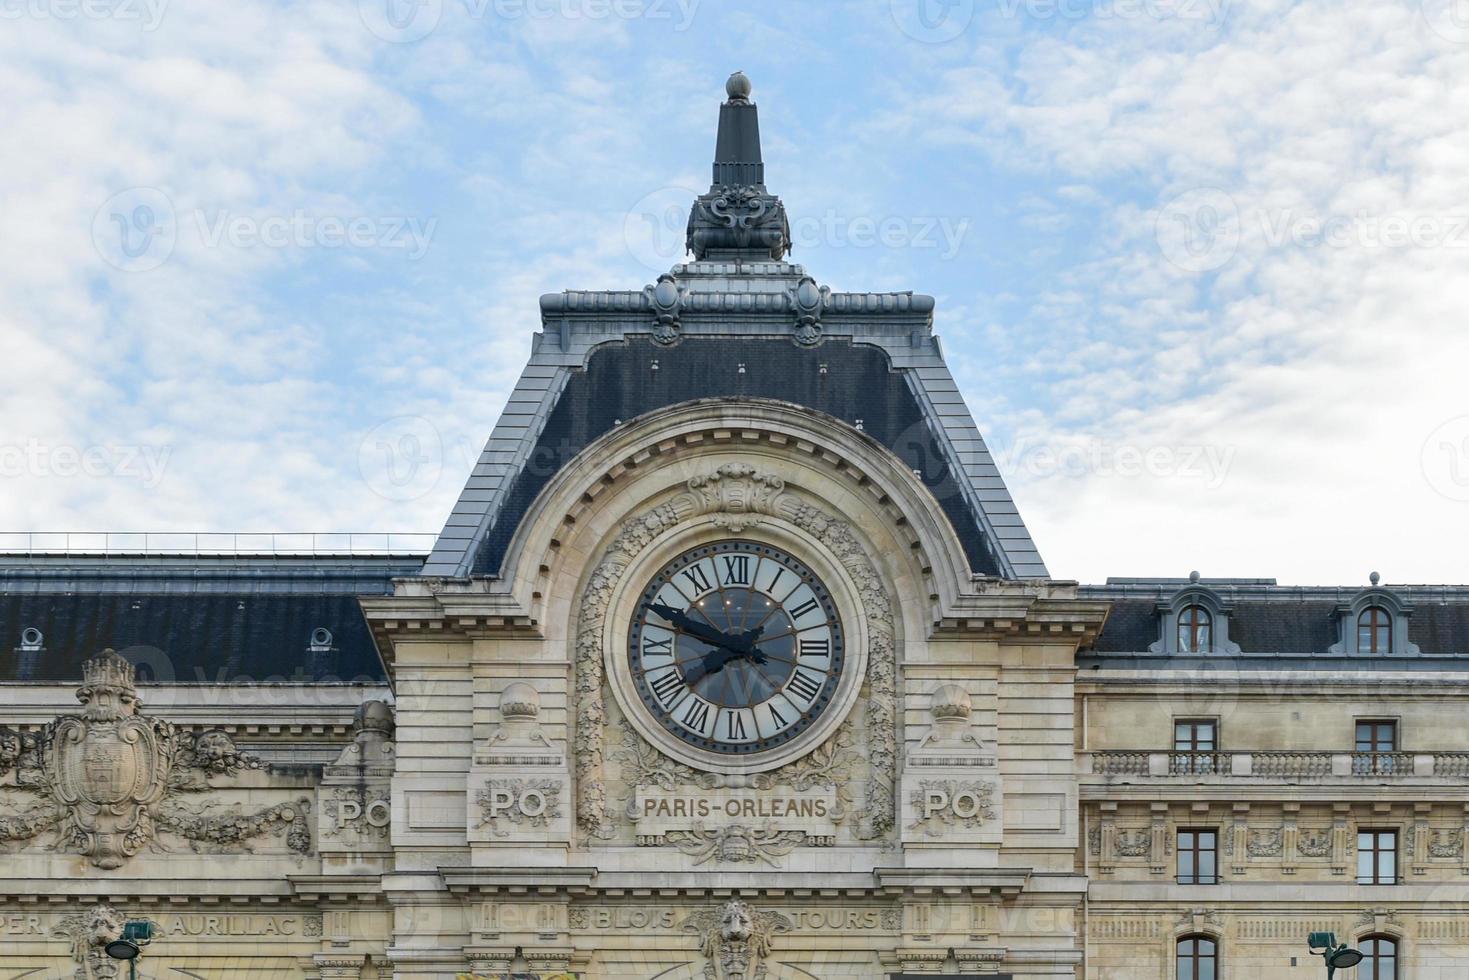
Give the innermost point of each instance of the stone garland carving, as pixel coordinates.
(1265, 843)
(517, 791)
(735, 939)
(1134, 843)
(936, 823)
(230, 830)
(1446, 844)
(107, 778)
(735, 844)
(740, 496)
(1314, 843)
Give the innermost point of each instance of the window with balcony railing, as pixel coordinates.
(1376, 751)
(1195, 747)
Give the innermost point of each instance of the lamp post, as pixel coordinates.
(1337, 957)
(136, 933)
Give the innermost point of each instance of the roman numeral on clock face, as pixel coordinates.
(805, 686)
(804, 609)
(816, 648)
(734, 727)
(696, 714)
(698, 579)
(668, 689)
(657, 648)
(736, 570)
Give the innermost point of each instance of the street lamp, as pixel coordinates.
(136, 933)
(1337, 957)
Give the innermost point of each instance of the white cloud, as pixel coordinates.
(1319, 368)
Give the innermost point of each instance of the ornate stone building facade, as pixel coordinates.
(733, 662)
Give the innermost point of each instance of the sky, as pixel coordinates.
(1200, 264)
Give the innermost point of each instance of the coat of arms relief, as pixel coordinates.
(105, 782)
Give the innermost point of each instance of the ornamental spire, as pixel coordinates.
(738, 218)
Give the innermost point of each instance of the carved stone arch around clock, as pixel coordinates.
(763, 471)
(651, 459)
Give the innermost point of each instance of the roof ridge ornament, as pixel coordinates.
(738, 218)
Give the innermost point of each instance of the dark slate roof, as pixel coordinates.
(1271, 619)
(194, 621)
(191, 639)
(738, 301)
(619, 385)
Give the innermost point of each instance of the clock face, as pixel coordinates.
(736, 647)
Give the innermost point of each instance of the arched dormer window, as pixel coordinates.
(1197, 958)
(1195, 630)
(1379, 958)
(1374, 622)
(1374, 630)
(1193, 621)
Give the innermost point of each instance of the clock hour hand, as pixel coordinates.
(692, 626)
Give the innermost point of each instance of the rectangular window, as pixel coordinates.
(1198, 857)
(1377, 857)
(1195, 746)
(1377, 741)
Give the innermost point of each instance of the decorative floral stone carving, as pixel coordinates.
(735, 939)
(736, 844)
(1134, 843)
(1446, 844)
(643, 765)
(106, 780)
(935, 821)
(523, 802)
(1094, 840)
(356, 811)
(738, 494)
(1265, 843)
(1314, 843)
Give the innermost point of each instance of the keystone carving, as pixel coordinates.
(735, 939)
(737, 494)
(106, 780)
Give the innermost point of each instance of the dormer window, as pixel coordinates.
(1194, 621)
(1195, 630)
(1374, 630)
(1374, 622)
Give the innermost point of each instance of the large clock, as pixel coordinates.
(736, 647)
